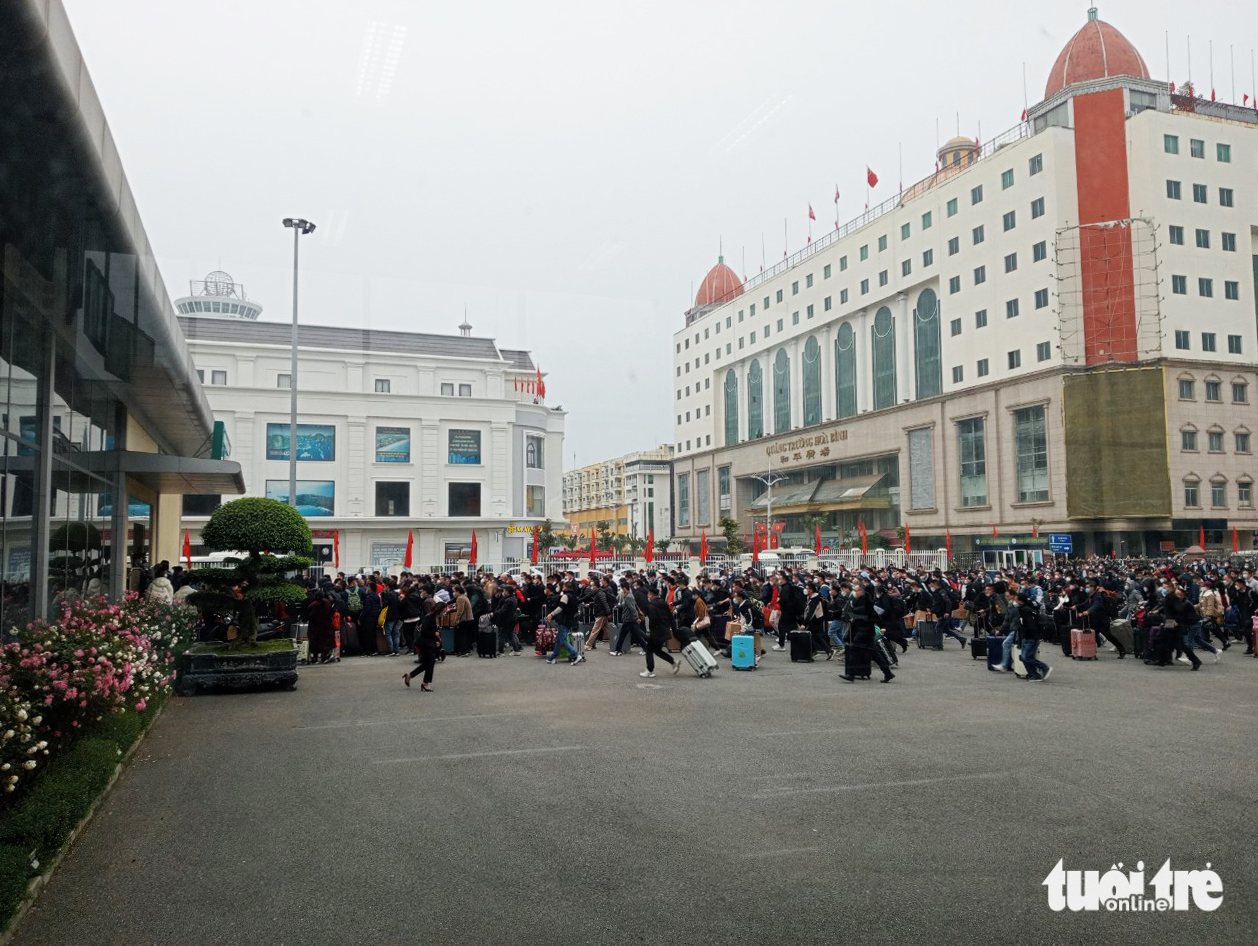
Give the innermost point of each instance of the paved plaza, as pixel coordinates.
(531, 804)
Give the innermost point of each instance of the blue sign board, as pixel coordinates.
(1061, 542)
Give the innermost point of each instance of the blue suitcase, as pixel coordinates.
(743, 651)
(995, 651)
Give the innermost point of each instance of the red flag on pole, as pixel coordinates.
(187, 548)
(948, 533)
(1024, 114)
(703, 546)
(811, 215)
(336, 549)
(755, 546)
(1172, 88)
(1236, 547)
(593, 548)
(860, 530)
(871, 177)
(995, 534)
(818, 540)
(908, 541)
(410, 549)
(650, 545)
(472, 560)
(533, 557)
(1035, 531)
(1212, 95)
(836, 193)
(541, 385)
(1203, 537)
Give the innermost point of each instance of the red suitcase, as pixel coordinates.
(1082, 645)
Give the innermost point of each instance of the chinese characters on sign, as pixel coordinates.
(816, 447)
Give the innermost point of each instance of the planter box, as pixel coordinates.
(236, 671)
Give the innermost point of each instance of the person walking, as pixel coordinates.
(661, 628)
(391, 607)
(321, 632)
(565, 617)
(505, 616)
(1023, 617)
(464, 622)
(815, 621)
(429, 641)
(630, 621)
(861, 632)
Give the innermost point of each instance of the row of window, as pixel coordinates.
(226, 308)
(1205, 287)
(1176, 236)
(381, 385)
(1200, 193)
(1197, 148)
(1214, 391)
(1209, 342)
(1214, 440)
(394, 499)
(1218, 493)
(1043, 352)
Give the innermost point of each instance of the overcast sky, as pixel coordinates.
(566, 170)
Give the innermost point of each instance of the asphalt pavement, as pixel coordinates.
(538, 804)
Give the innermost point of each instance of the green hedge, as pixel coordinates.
(55, 805)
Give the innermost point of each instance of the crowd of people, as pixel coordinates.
(1162, 611)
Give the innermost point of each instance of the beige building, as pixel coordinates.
(630, 493)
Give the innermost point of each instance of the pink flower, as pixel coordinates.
(140, 705)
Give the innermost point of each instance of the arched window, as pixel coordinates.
(530, 452)
(782, 393)
(845, 371)
(812, 382)
(755, 401)
(926, 342)
(884, 359)
(731, 408)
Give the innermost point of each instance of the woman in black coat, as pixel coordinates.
(861, 635)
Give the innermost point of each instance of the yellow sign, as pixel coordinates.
(815, 447)
(517, 529)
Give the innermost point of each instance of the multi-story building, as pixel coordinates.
(632, 494)
(1054, 332)
(398, 432)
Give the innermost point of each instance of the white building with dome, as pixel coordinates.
(1054, 332)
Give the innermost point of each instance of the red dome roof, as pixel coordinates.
(1097, 51)
(720, 285)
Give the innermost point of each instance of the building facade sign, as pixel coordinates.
(803, 449)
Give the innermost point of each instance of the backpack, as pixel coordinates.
(757, 613)
(1111, 606)
(354, 601)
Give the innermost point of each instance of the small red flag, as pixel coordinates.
(1203, 537)
(818, 540)
(1246, 100)
(541, 385)
(336, 549)
(703, 546)
(410, 549)
(860, 529)
(871, 177)
(472, 559)
(1235, 541)
(1035, 531)
(995, 534)
(836, 193)
(533, 557)
(1172, 88)
(187, 548)
(908, 541)
(650, 546)
(811, 215)
(1024, 114)
(755, 546)
(1212, 95)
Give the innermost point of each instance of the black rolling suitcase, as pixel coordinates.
(801, 645)
(857, 662)
(486, 638)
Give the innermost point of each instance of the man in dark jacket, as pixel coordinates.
(1098, 611)
(661, 628)
(861, 634)
(791, 601)
(506, 613)
(602, 600)
(941, 607)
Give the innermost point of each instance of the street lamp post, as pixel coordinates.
(299, 226)
(770, 480)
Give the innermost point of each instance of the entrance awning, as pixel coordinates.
(164, 473)
(786, 497)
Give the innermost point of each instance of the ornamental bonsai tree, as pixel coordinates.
(274, 539)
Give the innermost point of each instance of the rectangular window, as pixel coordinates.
(795, 288)
(1039, 251)
(1011, 309)
(882, 243)
(808, 281)
(1203, 239)
(928, 257)
(1214, 390)
(1245, 494)
(956, 327)
(982, 368)
(976, 195)
(1229, 242)
(463, 447)
(905, 230)
(383, 385)
(977, 234)
(1188, 441)
(703, 498)
(1231, 290)
(766, 303)
(954, 284)
(393, 444)
(842, 296)
(1172, 190)
(752, 310)
(864, 287)
(1170, 144)
(201, 375)
(1043, 351)
(1031, 447)
(1223, 153)
(1037, 208)
(980, 318)
(1176, 235)
(1205, 287)
(980, 275)
(825, 304)
(882, 278)
(284, 381)
(842, 263)
(1234, 345)
(958, 374)
(864, 253)
(535, 501)
(921, 469)
(1196, 147)
(1179, 285)
(1010, 219)
(926, 220)
(447, 388)
(1011, 262)
(973, 456)
(825, 272)
(1015, 359)
(952, 207)
(1192, 498)
(1218, 495)
(1182, 342)
(535, 453)
(464, 499)
(683, 499)
(1225, 197)
(1200, 194)
(906, 267)
(1242, 442)
(809, 310)
(1187, 390)
(218, 377)
(778, 296)
(1036, 164)
(393, 499)
(954, 246)
(1041, 298)
(1006, 179)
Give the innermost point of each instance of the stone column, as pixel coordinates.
(797, 383)
(766, 391)
(864, 363)
(828, 391)
(904, 374)
(742, 401)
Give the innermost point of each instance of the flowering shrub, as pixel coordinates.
(99, 659)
